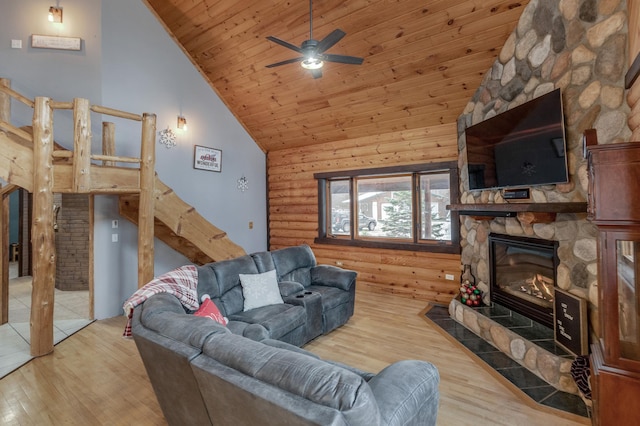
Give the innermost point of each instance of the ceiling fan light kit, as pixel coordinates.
(312, 51)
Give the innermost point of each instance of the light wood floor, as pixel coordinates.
(97, 378)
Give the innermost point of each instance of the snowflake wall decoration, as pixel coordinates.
(243, 183)
(167, 138)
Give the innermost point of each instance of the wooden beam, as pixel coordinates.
(81, 146)
(147, 199)
(5, 101)
(44, 255)
(108, 141)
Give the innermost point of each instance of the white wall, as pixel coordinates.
(128, 62)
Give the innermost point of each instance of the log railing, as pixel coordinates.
(78, 174)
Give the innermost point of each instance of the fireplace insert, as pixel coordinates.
(523, 275)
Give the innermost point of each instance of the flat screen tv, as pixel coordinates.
(524, 146)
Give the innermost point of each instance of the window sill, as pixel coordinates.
(435, 247)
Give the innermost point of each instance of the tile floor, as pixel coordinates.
(71, 313)
(527, 382)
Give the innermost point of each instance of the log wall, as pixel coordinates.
(293, 209)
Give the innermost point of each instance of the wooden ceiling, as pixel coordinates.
(423, 60)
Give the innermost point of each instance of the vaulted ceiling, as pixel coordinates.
(423, 60)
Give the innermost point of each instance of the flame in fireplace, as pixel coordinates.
(539, 286)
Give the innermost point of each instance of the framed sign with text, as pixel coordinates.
(205, 158)
(569, 322)
(56, 42)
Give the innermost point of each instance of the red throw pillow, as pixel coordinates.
(209, 309)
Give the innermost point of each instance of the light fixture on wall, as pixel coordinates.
(182, 123)
(167, 138)
(55, 14)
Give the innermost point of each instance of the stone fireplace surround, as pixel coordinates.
(578, 46)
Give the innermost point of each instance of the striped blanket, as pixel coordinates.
(182, 282)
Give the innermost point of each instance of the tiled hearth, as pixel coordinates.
(536, 336)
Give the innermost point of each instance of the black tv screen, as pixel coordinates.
(524, 146)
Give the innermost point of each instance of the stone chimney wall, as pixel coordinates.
(579, 46)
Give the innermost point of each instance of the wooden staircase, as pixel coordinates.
(30, 159)
(182, 228)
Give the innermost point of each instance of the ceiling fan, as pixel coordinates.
(312, 51)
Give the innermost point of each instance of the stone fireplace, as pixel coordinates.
(578, 46)
(522, 275)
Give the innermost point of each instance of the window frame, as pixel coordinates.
(417, 243)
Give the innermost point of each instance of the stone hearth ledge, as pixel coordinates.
(553, 369)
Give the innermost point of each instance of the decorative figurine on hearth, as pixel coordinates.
(470, 294)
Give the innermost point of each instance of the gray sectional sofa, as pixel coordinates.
(317, 298)
(252, 371)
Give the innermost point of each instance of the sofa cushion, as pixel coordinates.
(331, 296)
(164, 314)
(208, 309)
(294, 264)
(260, 290)
(207, 282)
(407, 393)
(263, 261)
(299, 374)
(278, 320)
(333, 276)
(228, 271)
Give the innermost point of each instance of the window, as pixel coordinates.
(398, 207)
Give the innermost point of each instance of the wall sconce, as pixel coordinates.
(55, 14)
(167, 138)
(182, 123)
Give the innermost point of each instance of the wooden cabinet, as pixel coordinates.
(614, 206)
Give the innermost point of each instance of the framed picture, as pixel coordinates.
(205, 158)
(56, 42)
(570, 316)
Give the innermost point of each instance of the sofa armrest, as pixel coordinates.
(287, 288)
(407, 393)
(333, 276)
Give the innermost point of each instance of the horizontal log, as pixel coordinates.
(59, 153)
(28, 102)
(115, 113)
(115, 158)
(61, 105)
(8, 127)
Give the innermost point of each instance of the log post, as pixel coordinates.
(5, 115)
(43, 238)
(5, 101)
(108, 141)
(146, 210)
(81, 146)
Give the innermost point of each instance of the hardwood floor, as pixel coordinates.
(96, 377)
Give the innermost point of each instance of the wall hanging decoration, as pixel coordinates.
(243, 184)
(167, 138)
(56, 42)
(205, 158)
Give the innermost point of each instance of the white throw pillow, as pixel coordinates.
(260, 290)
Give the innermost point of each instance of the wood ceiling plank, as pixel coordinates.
(422, 62)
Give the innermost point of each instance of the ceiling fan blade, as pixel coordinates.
(284, 43)
(327, 42)
(288, 61)
(341, 59)
(316, 73)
